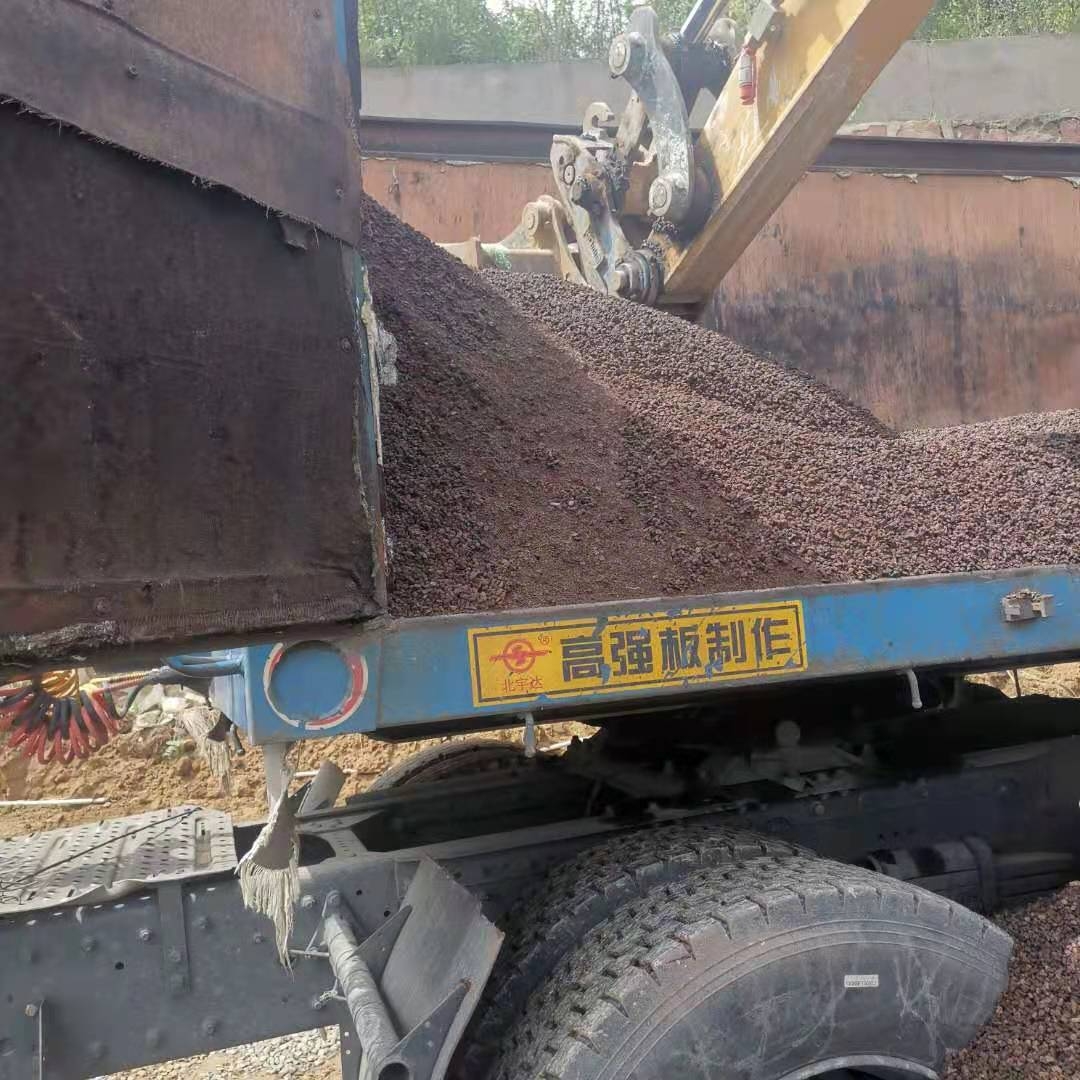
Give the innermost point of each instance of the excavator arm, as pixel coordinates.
(648, 209)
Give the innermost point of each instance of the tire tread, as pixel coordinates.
(596, 981)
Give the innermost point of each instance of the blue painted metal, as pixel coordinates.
(205, 665)
(416, 672)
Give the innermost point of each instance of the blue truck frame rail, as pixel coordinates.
(468, 672)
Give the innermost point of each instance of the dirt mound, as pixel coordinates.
(134, 773)
(545, 444)
(818, 476)
(512, 477)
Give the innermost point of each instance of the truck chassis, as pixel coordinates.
(962, 792)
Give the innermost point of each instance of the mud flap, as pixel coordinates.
(411, 985)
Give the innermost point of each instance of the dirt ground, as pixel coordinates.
(136, 772)
(167, 780)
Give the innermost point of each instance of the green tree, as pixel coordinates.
(406, 32)
(997, 18)
(401, 33)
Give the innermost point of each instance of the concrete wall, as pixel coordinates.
(989, 80)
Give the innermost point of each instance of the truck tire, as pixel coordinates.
(551, 919)
(439, 762)
(773, 969)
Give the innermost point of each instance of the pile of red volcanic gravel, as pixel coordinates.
(1035, 1032)
(547, 444)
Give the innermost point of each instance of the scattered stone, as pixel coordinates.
(1035, 1032)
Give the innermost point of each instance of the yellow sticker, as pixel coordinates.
(573, 657)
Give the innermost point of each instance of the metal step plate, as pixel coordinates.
(108, 859)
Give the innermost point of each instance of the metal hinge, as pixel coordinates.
(1026, 604)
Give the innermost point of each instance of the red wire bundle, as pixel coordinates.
(56, 728)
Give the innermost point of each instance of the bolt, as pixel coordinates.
(819, 809)
(101, 606)
(339, 191)
(201, 922)
(577, 190)
(626, 54)
(131, 71)
(107, 5)
(569, 173)
(660, 195)
(174, 955)
(346, 344)
(618, 54)
(145, 933)
(533, 216)
(257, 938)
(209, 1026)
(88, 944)
(318, 1003)
(153, 1037)
(317, 13)
(307, 901)
(31, 1010)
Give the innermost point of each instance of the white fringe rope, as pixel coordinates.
(273, 892)
(198, 722)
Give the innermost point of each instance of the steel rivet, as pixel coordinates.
(132, 71)
(145, 933)
(31, 1010)
(308, 901)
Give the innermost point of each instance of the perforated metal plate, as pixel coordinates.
(108, 859)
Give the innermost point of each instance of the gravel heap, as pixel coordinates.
(546, 444)
(1036, 1029)
(307, 1055)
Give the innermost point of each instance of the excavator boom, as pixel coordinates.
(650, 210)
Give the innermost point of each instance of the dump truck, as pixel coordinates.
(774, 859)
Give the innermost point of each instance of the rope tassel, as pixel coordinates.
(269, 873)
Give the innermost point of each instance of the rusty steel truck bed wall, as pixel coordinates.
(188, 440)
